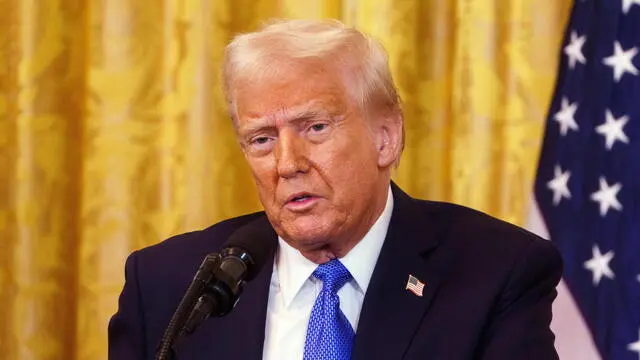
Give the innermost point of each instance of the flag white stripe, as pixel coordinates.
(573, 339)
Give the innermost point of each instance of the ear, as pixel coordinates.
(389, 139)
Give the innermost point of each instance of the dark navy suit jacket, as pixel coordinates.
(488, 293)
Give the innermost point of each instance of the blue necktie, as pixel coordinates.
(329, 333)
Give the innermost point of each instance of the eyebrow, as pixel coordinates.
(269, 121)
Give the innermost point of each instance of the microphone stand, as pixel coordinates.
(214, 292)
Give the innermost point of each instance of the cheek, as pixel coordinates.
(350, 158)
(265, 177)
(349, 168)
(262, 168)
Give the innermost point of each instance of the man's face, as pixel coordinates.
(316, 160)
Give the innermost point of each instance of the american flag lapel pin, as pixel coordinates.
(414, 285)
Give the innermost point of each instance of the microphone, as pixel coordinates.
(218, 283)
(242, 258)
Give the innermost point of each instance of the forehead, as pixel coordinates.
(292, 88)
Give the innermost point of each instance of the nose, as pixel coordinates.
(291, 154)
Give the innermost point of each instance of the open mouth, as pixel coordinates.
(301, 198)
(301, 202)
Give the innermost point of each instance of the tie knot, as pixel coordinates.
(333, 275)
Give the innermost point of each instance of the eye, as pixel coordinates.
(261, 140)
(261, 144)
(318, 127)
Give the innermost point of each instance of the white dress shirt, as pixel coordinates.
(293, 290)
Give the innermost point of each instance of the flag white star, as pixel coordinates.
(599, 265)
(566, 116)
(612, 129)
(626, 5)
(621, 61)
(635, 346)
(607, 196)
(559, 185)
(574, 49)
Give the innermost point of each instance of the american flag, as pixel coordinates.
(414, 285)
(587, 190)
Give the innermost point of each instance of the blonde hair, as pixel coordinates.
(361, 59)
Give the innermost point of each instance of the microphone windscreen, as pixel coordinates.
(258, 239)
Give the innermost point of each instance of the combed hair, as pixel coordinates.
(362, 60)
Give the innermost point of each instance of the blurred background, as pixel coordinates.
(114, 135)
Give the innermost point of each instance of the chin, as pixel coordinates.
(307, 233)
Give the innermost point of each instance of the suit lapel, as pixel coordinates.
(390, 313)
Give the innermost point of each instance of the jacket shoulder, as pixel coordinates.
(481, 238)
(199, 242)
(173, 261)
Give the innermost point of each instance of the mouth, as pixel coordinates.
(301, 201)
(299, 197)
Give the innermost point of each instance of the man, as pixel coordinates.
(362, 270)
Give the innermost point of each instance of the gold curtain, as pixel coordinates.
(113, 133)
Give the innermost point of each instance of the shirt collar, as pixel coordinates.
(293, 269)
